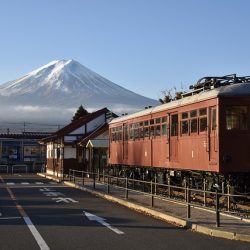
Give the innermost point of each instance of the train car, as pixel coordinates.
(205, 135)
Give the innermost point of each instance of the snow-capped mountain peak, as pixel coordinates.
(68, 84)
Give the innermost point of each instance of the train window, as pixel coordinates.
(157, 130)
(146, 132)
(145, 123)
(184, 115)
(164, 129)
(125, 133)
(174, 125)
(237, 118)
(213, 119)
(141, 124)
(194, 126)
(164, 119)
(158, 120)
(152, 121)
(203, 124)
(203, 111)
(141, 132)
(193, 113)
(184, 127)
(152, 128)
(131, 132)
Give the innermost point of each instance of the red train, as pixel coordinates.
(205, 135)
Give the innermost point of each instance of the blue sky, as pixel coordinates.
(146, 46)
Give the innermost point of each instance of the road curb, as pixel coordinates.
(165, 217)
(156, 214)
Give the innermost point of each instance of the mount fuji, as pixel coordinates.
(53, 92)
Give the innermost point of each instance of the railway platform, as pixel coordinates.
(201, 220)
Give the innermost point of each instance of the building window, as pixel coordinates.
(237, 118)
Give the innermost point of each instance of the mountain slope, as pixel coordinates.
(63, 86)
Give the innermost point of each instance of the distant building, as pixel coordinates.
(22, 148)
(67, 147)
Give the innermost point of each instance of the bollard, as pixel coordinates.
(188, 203)
(126, 188)
(152, 195)
(98, 174)
(217, 209)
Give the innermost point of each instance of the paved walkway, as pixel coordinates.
(201, 220)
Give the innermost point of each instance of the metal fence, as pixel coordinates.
(22, 168)
(190, 197)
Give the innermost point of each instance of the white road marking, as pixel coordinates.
(40, 241)
(39, 183)
(53, 194)
(52, 182)
(66, 200)
(93, 217)
(46, 190)
(10, 218)
(10, 183)
(25, 183)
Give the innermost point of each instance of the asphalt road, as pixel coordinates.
(37, 213)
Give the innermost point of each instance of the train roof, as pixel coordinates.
(238, 89)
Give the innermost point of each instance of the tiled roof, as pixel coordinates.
(25, 135)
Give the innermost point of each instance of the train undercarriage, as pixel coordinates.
(234, 183)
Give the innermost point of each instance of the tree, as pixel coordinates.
(81, 111)
(170, 95)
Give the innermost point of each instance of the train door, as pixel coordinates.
(213, 135)
(173, 139)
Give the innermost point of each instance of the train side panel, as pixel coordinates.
(235, 134)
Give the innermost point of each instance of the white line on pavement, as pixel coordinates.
(40, 241)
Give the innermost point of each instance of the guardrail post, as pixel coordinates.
(152, 195)
(204, 193)
(82, 178)
(223, 187)
(98, 174)
(155, 185)
(93, 180)
(126, 188)
(103, 175)
(228, 197)
(185, 189)
(169, 190)
(108, 185)
(188, 203)
(143, 178)
(74, 178)
(217, 209)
